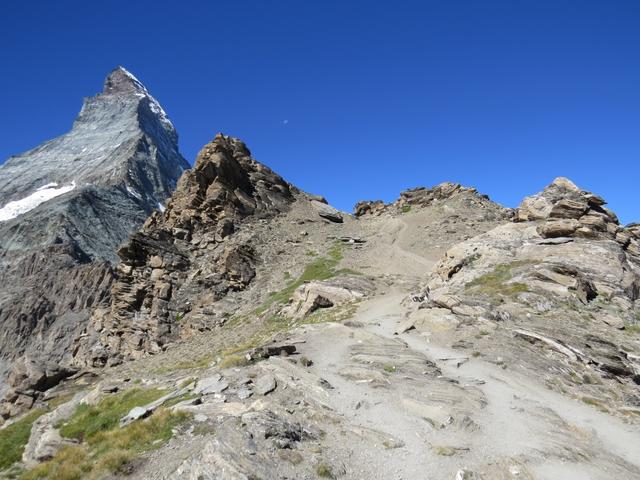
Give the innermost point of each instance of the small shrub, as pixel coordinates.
(114, 461)
(305, 362)
(387, 367)
(445, 451)
(324, 471)
(406, 208)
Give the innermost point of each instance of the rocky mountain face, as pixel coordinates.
(173, 271)
(416, 197)
(561, 283)
(438, 336)
(65, 207)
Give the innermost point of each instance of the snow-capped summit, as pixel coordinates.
(121, 81)
(122, 138)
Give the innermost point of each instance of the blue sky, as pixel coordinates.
(351, 99)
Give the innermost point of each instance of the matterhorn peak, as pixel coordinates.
(121, 80)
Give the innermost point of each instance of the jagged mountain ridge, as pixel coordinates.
(534, 300)
(65, 207)
(438, 336)
(185, 258)
(210, 242)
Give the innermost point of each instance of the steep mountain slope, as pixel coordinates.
(65, 207)
(556, 292)
(260, 333)
(185, 259)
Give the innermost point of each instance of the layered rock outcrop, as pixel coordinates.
(564, 210)
(564, 276)
(65, 207)
(183, 260)
(419, 197)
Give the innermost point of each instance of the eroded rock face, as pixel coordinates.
(185, 259)
(568, 290)
(567, 210)
(66, 206)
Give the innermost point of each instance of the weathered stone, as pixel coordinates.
(265, 384)
(327, 212)
(558, 228)
(244, 393)
(277, 350)
(595, 222)
(135, 413)
(210, 385)
(566, 208)
(314, 295)
(369, 208)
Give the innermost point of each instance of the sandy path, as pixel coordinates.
(523, 424)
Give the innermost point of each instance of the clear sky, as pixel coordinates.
(355, 99)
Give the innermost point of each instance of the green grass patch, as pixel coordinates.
(90, 420)
(196, 363)
(497, 282)
(108, 451)
(322, 268)
(57, 401)
(14, 437)
(632, 328)
(406, 208)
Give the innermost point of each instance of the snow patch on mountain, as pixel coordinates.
(153, 103)
(41, 195)
(133, 193)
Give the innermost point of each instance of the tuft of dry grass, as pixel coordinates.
(233, 360)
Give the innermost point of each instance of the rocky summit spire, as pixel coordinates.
(120, 80)
(226, 192)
